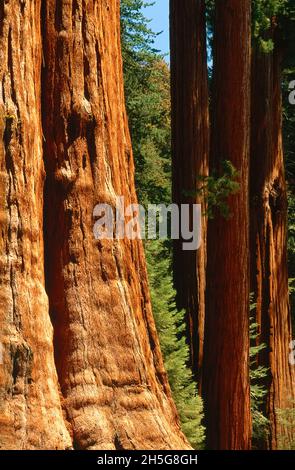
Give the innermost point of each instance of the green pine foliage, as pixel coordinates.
(258, 390)
(264, 13)
(147, 90)
(268, 15)
(216, 189)
(171, 328)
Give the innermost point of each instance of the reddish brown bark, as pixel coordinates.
(190, 149)
(226, 348)
(30, 409)
(269, 238)
(107, 352)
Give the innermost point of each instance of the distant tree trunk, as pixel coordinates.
(30, 409)
(269, 237)
(190, 149)
(226, 348)
(110, 368)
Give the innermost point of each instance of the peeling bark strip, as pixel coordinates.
(269, 238)
(30, 410)
(226, 349)
(190, 148)
(107, 352)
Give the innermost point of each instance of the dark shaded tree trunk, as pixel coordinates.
(110, 368)
(190, 149)
(30, 408)
(269, 272)
(226, 349)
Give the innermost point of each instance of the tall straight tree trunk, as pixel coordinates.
(190, 148)
(226, 348)
(110, 368)
(30, 409)
(269, 238)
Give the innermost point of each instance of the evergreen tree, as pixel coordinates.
(171, 328)
(147, 90)
(258, 391)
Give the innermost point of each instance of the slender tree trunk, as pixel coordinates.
(226, 348)
(269, 238)
(109, 363)
(30, 409)
(190, 148)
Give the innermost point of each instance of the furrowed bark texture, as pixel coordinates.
(107, 352)
(226, 348)
(269, 240)
(190, 148)
(30, 409)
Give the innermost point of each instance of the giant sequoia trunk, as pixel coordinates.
(30, 410)
(269, 237)
(190, 143)
(226, 348)
(115, 390)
